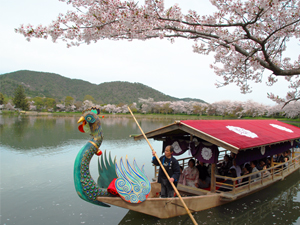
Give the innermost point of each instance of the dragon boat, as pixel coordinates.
(123, 185)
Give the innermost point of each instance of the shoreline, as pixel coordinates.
(149, 116)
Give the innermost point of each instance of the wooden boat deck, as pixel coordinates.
(186, 190)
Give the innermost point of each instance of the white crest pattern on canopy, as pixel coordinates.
(281, 128)
(242, 131)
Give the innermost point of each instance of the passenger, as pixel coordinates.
(268, 162)
(237, 169)
(290, 153)
(172, 167)
(278, 158)
(191, 174)
(209, 170)
(286, 156)
(248, 167)
(247, 163)
(181, 177)
(204, 179)
(254, 169)
(232, 156)
(203, 183)
(246, 171)
(266, 172)
(203, 172)
(226, 164)
(261, 165)
(231, 173)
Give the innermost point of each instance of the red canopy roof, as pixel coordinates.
(244, 134)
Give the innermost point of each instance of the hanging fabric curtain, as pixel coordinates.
(204, 153)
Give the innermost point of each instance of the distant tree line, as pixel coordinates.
(228, 108)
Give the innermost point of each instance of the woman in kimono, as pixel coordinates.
(191, 174)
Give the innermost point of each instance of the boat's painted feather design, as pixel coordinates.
(132, 184)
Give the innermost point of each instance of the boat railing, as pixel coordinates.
(278, 169)
(235, 186)
(182, 162)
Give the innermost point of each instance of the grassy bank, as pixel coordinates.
(150, 116)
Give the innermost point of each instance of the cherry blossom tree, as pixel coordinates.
(32, 107)
(165, 108)
(292, 110)
(109, 108)
(275, 111)
(147, 105)
(222, 107)
(158, 107)
(211, 109)
(70, 108)
(249, 38)
(234, 108)
(10, 106)
(86, 104)
(199, 108)
(179, 107)
(60, 107)
(133, 107)
(251, 108)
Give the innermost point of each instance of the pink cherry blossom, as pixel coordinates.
(248, 38)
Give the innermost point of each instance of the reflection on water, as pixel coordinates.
(36, 163)
(25, 133)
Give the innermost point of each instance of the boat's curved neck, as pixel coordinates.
(96, 132)
(85, 185)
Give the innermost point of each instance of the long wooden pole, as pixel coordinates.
(163, 168)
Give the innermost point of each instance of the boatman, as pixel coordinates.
(172, 167)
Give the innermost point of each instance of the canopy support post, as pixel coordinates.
(272, 164)
(213, 178)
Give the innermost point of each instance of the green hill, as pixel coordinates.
(58, 87)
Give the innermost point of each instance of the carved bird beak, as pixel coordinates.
(80, 127)
(80, 120)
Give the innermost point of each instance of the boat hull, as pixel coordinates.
(164, 208)
(167, 207)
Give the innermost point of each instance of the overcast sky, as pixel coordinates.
(172, 69)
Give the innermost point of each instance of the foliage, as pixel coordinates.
(89, 97)
(247, 37)
(1, 98)
(69, 101)
(39, 103)
(20, 99)
(44, 103)
(58, 87)
(50, 103)
(133, 108)
(78, 105)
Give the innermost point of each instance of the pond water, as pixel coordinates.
(37, 156)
